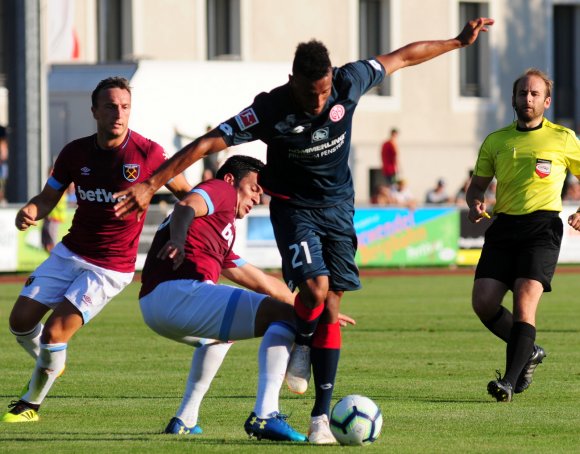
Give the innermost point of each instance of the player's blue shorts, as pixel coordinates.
(316, 242)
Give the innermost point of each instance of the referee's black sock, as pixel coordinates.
(500, 324)
(519, 349)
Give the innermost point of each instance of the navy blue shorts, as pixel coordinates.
(525, 246)
(316, 242)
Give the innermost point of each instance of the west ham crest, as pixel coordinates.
(131, 172)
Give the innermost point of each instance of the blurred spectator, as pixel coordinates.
(438, 194)
(460, 196)
(402, 195)
(383, 196)
(389, 157)
(3, 164)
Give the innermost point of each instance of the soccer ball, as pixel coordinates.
(356, 420)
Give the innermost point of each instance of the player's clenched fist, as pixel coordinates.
(24, 219)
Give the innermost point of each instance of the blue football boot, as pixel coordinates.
(275, 428)
(177, 427)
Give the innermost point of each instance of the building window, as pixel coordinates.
(223, 30)
(566, 95)
(114, 30)
(474, 60)
(374, 19)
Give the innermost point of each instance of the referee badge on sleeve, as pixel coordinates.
(543, 167)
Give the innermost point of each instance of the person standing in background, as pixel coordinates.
(390, 158)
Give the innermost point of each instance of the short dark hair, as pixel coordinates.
(239, 166)
(109, 82)
(535, 72)
(311, 60)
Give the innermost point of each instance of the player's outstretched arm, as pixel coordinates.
(138, 196)
(255, 279)
(37, 208)
(421, 51)
(179, 186)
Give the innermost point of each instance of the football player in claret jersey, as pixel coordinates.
(306, 124)
(180, 298)
(530, 159)
(96, 259)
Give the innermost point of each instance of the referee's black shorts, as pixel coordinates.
(525, 246)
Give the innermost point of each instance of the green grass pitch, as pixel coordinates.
(417, 350)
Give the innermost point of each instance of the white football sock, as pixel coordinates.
(30, 341)
(49, 364)
(273, 359)
(205, 363)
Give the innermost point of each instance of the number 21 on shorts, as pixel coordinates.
(296, 250)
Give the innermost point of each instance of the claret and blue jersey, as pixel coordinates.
(307, 156)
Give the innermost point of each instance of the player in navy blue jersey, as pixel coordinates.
(306, 125)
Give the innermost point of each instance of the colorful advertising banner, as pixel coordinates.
(402, 237)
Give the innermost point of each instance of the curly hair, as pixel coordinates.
(311, 60)
(109, 82)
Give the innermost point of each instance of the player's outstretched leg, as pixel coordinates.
(205, 363)
(273, 428)
(266, 422)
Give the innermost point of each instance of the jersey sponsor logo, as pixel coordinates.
(336, 113)
(320, 134)
(242, 137)
(131, 172)
(543, 167)
(246, 119)
(226, 129)
(375, 64)
(318, 151)
(85, 171)
(97, 195)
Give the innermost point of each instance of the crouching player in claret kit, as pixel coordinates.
(181, 300)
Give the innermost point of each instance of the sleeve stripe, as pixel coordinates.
(206, 197)
(54, 183)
